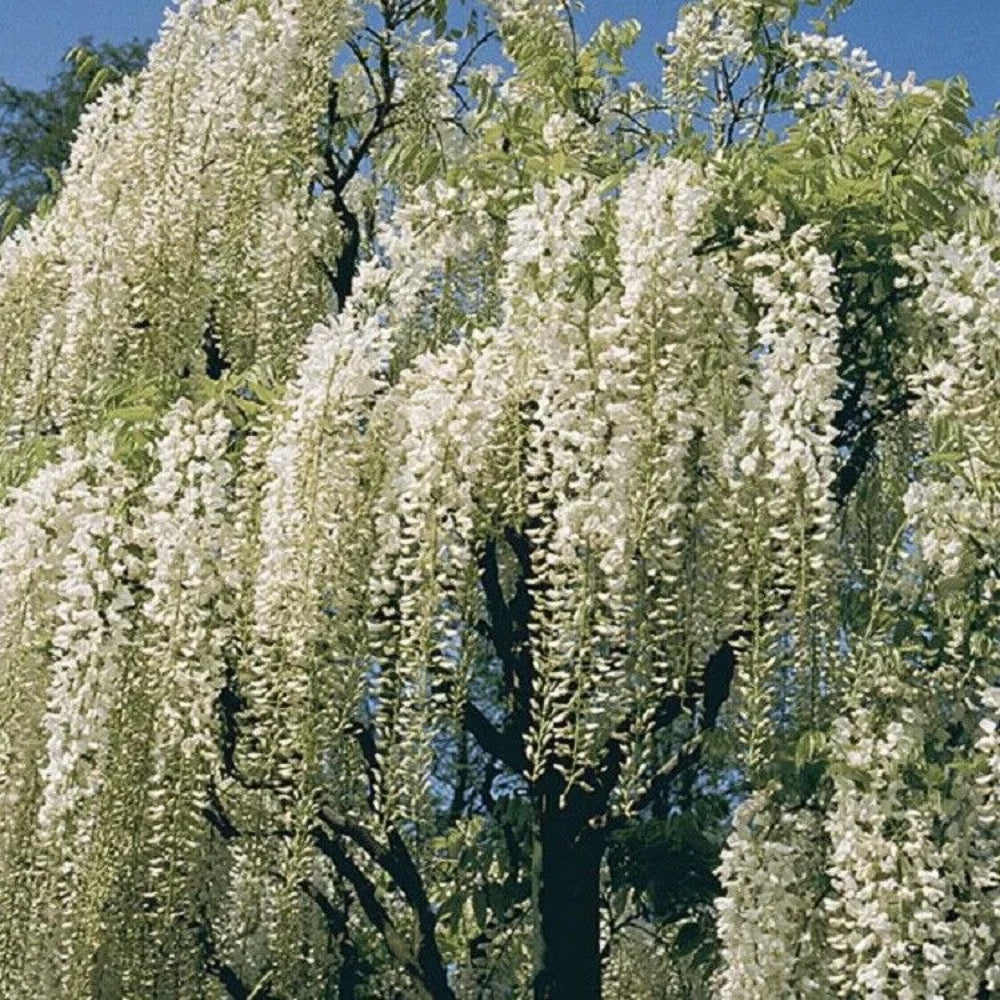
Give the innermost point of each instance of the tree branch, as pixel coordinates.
(504, 745)
(703, 700)
(364, 890)
(397, 862)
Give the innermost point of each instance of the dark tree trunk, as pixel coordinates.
(347, 261)
(566, 867)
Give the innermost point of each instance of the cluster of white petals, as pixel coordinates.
(780, 465)
(195, 176)
(953, 503)
(310, 543)
(706, 34)
(797, 360)
(39, 531)
(715, 41)
(771, 920)
(831, 73)
(907, 915)
(186, 651)
(90, 632)
(436, 248)
(73, 588)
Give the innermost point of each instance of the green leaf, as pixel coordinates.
(945, 457)
(809, 746)
(133, 414)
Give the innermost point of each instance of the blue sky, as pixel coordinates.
(936, 38)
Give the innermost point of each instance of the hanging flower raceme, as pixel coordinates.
(953, 503)
(665, 365)
(781, 461)
(987, 794)
(184, 216)
(310, 591)
(442, 247)
(771, 919)
(781, 464)
(39, 526)
(304, 671)
(186, 644)
(72, 677)
(906, 915)
(90, 635)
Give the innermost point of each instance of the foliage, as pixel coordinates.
(491, 530)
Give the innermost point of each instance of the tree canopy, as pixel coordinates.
(475, 525)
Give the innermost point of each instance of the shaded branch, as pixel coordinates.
(397, 862)
(509, 625)
(364, 736)
(703, 701)
(229, 978)
(349, 975)
(865, 445)
(504, 745)
(364, 890)
(214, 812)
